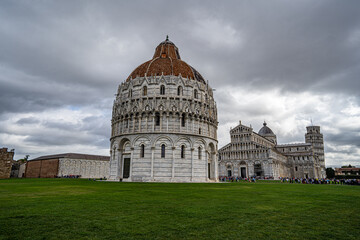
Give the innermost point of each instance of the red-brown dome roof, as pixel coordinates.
(166, 61)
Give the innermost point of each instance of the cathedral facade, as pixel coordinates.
(164, 123)
(257, 154)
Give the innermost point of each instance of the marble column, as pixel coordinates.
(167, 122)
(119, 165)
(131, 161)
(216, 169)
(152, 163)
(206, 165)
(173, 163)
(192, 163)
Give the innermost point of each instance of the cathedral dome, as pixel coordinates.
(265, 130)
(166, 61)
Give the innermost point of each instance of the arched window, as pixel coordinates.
(162, 90)
(142, 151)
(180, 91)
(127, 123)
(199, 130)
(206, 97)
(144, 90)
(199, 153)
(182, 151)
(183, 120)
(157, 119)
(163, 150)
(195, 94)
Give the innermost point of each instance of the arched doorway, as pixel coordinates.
(258, 170)
(124, 165)
(243, 169)
(229, 171)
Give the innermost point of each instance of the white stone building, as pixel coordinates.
(258, 154)
(66, 164)
(164, 123)
(86, 166)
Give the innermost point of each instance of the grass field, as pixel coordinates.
(82, 209)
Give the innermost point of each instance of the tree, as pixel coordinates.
(24, 159)
(330, 172)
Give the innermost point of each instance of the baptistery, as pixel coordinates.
(164, 123)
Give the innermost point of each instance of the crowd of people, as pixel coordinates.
(69, 176)
(78, 176)
(294, 180)
(321, 181)
(238, 179)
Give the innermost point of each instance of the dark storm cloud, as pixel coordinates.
(292, 45)
(57, 55)
(351, 151)
(88, 130)
(345, 137)
(28, 120)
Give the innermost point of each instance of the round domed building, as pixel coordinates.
(164, 123)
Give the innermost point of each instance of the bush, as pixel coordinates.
(330, 173)
(347, 177)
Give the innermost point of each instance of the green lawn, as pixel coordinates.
(82, 209)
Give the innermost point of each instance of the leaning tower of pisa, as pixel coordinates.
(315, 137)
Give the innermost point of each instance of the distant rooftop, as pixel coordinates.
(293, 144)
(74, 156)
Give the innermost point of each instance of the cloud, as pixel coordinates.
(27, 120)
(279, 61)
(213, 31)
(63, 129)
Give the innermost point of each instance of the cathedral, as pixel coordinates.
(164, 123)
(252, 154)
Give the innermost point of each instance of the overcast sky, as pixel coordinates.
(285, 62)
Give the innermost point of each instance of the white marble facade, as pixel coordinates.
(197, 161)
(258, 154)
(164, 126)
(85, 168)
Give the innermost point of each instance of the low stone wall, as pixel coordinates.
(85, 168)
(42, 168)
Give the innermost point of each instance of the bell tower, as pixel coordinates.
(315, 137)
